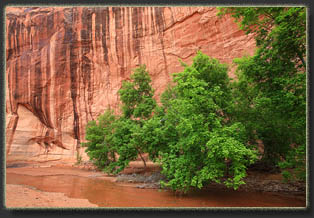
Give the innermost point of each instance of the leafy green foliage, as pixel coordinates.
(202, 145)
(137, 95)
(151, 137)
(270, 92)
(295, 160)
(137, 105)
(100, 147)
(116, 140)
(122, 140)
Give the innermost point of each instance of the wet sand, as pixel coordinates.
(18, 196)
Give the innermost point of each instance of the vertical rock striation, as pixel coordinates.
(64, 65)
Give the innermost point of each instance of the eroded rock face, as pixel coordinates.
(64, 66)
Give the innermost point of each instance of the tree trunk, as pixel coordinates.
(142, 160)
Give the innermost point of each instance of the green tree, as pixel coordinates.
(137, 106)
(100, 148)
(202, 145)
(271, 86)
(114, 141)
(137, 95)
(122, 139)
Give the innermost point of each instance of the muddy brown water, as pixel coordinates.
(109, 194)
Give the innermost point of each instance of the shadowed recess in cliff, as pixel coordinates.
(38, 106)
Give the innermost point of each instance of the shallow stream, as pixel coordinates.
(109, 194)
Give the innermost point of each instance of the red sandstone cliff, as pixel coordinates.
(64, 66)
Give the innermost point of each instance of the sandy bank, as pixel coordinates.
(20, 196)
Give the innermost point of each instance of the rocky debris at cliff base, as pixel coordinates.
(155, 185)
(151, 181)
(253, 184)
(272, 186)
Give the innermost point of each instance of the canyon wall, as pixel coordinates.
(64, 65)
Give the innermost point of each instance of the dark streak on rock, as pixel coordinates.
(50, 22)
(161, 26)
(86, 47)
(105, 31)
(12, 27)
(98, 12)
(60, 74)
(129, 35)
(137, 22)
(137, 30)
(70, 37)
(9, 49)
(36, 100)
(17, 46)
(16, 88)
(9, 72)
(159, 18)
(86, 38)
(11, 34)
(119, 38)
(123, 14)
(47, 95)
(153, 22)
(145, 29)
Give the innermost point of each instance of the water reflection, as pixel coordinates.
(108, 194)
